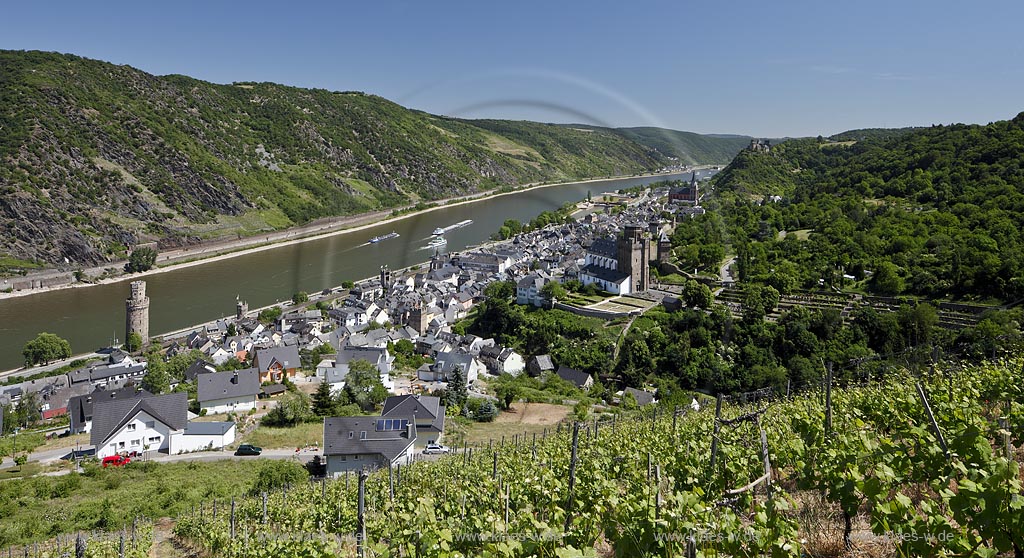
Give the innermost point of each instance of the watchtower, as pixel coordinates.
(137, 312)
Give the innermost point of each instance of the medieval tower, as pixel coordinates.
(137, 312)
(241, 309)
(385, 278)
(634, 257)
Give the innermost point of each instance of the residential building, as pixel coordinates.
(235, 391)
(277, 363)
(367, 443)
(428, 412)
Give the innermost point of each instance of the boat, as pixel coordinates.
(440, 231)
(377, 239)
(438, 242)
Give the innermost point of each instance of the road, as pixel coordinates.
(723, 272)
(21, 372)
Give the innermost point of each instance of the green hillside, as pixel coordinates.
(690, 148)
(96, 157)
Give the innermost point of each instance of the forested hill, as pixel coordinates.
(96, 158)
(934, 212)
(686, 148)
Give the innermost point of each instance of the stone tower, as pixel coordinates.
(137, 312)
(664, 248)
(241, 309)
(634, 257)
(385, 278)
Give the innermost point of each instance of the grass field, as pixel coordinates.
(270, 437)
(41, 507)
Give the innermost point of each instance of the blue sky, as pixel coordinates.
(767, 68)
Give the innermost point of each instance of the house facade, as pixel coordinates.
(277, 363)
(142, 424)
(228, 392)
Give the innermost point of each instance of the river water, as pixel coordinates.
(91, 317)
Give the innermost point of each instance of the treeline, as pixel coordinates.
(934, 212)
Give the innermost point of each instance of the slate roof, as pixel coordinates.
(390, 444)
(80, 408)
(605, 274)
(287, 356)
(642, 397)
(109, 416)
(604, 247)
(208, 428)
(577, 378)
(543, 362)
(274, 389)
(198, 367)
(421, 407)
(228, 385)
(104, 372)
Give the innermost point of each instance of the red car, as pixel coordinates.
(116, 461)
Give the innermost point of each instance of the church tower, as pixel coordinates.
(634, 258)
(137, 312)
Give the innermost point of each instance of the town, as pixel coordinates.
(229, 375)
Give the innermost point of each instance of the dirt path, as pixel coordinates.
(164, 544)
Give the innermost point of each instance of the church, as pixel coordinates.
(620, 266)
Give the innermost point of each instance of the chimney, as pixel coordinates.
(410, 430)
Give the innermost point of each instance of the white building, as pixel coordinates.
(228, 392)
(157, 423)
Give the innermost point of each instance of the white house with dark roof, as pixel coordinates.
(428, 412)
(370, 443)
(235, 391)
(446, 363)
(334, 371)
(141, 424)
(80, 408)
(153, 423)
(577, 378)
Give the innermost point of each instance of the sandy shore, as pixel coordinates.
(306, 233)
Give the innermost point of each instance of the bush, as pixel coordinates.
(487, 412)
(274, 474)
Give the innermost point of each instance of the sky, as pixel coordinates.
(767, 68)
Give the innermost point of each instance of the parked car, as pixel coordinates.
(248, 449)
(435, 448)
(116, 461)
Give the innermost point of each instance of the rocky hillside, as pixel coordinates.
(96, 158)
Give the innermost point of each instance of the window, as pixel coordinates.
(350, 434)
(131, 427)
(154, 439)
(136, 442)
(120, 445)
(344, 458)
(151, 424)
(362, 435)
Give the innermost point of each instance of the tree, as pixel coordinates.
(232, 330)
(507, 393)
(347, 284)
(363, 384)
(269, 315)
(45, 348)
(292, 409)
(486, 412)
(300, 297)
(133, 342)
(581, 410)
(156, 380)
(142, 259)
(457, 392)
(324, 402)
(887, 280)
(553, 290)
(20, 461)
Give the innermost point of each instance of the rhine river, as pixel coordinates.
(91, 317)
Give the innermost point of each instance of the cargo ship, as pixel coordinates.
(441, 230)
(377, 239)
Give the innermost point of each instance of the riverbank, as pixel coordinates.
(187, 257)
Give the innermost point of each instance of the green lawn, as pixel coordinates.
(41, 507)
(271, 437)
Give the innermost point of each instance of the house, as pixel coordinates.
(111, 375)
(540, 364)
(578, 378)
(428, 412)
(642, 397)
(333, 371)
(198, 367)
(226, 392)
(277, 363)
(80, 408)
(358, 443)
(139, 424)
(446, 363)
(502, 360)
(272, 390)
(528, 290)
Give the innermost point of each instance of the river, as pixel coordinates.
(92, 317)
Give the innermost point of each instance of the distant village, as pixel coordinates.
(611, 243)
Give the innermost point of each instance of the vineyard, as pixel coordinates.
(928, 463)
